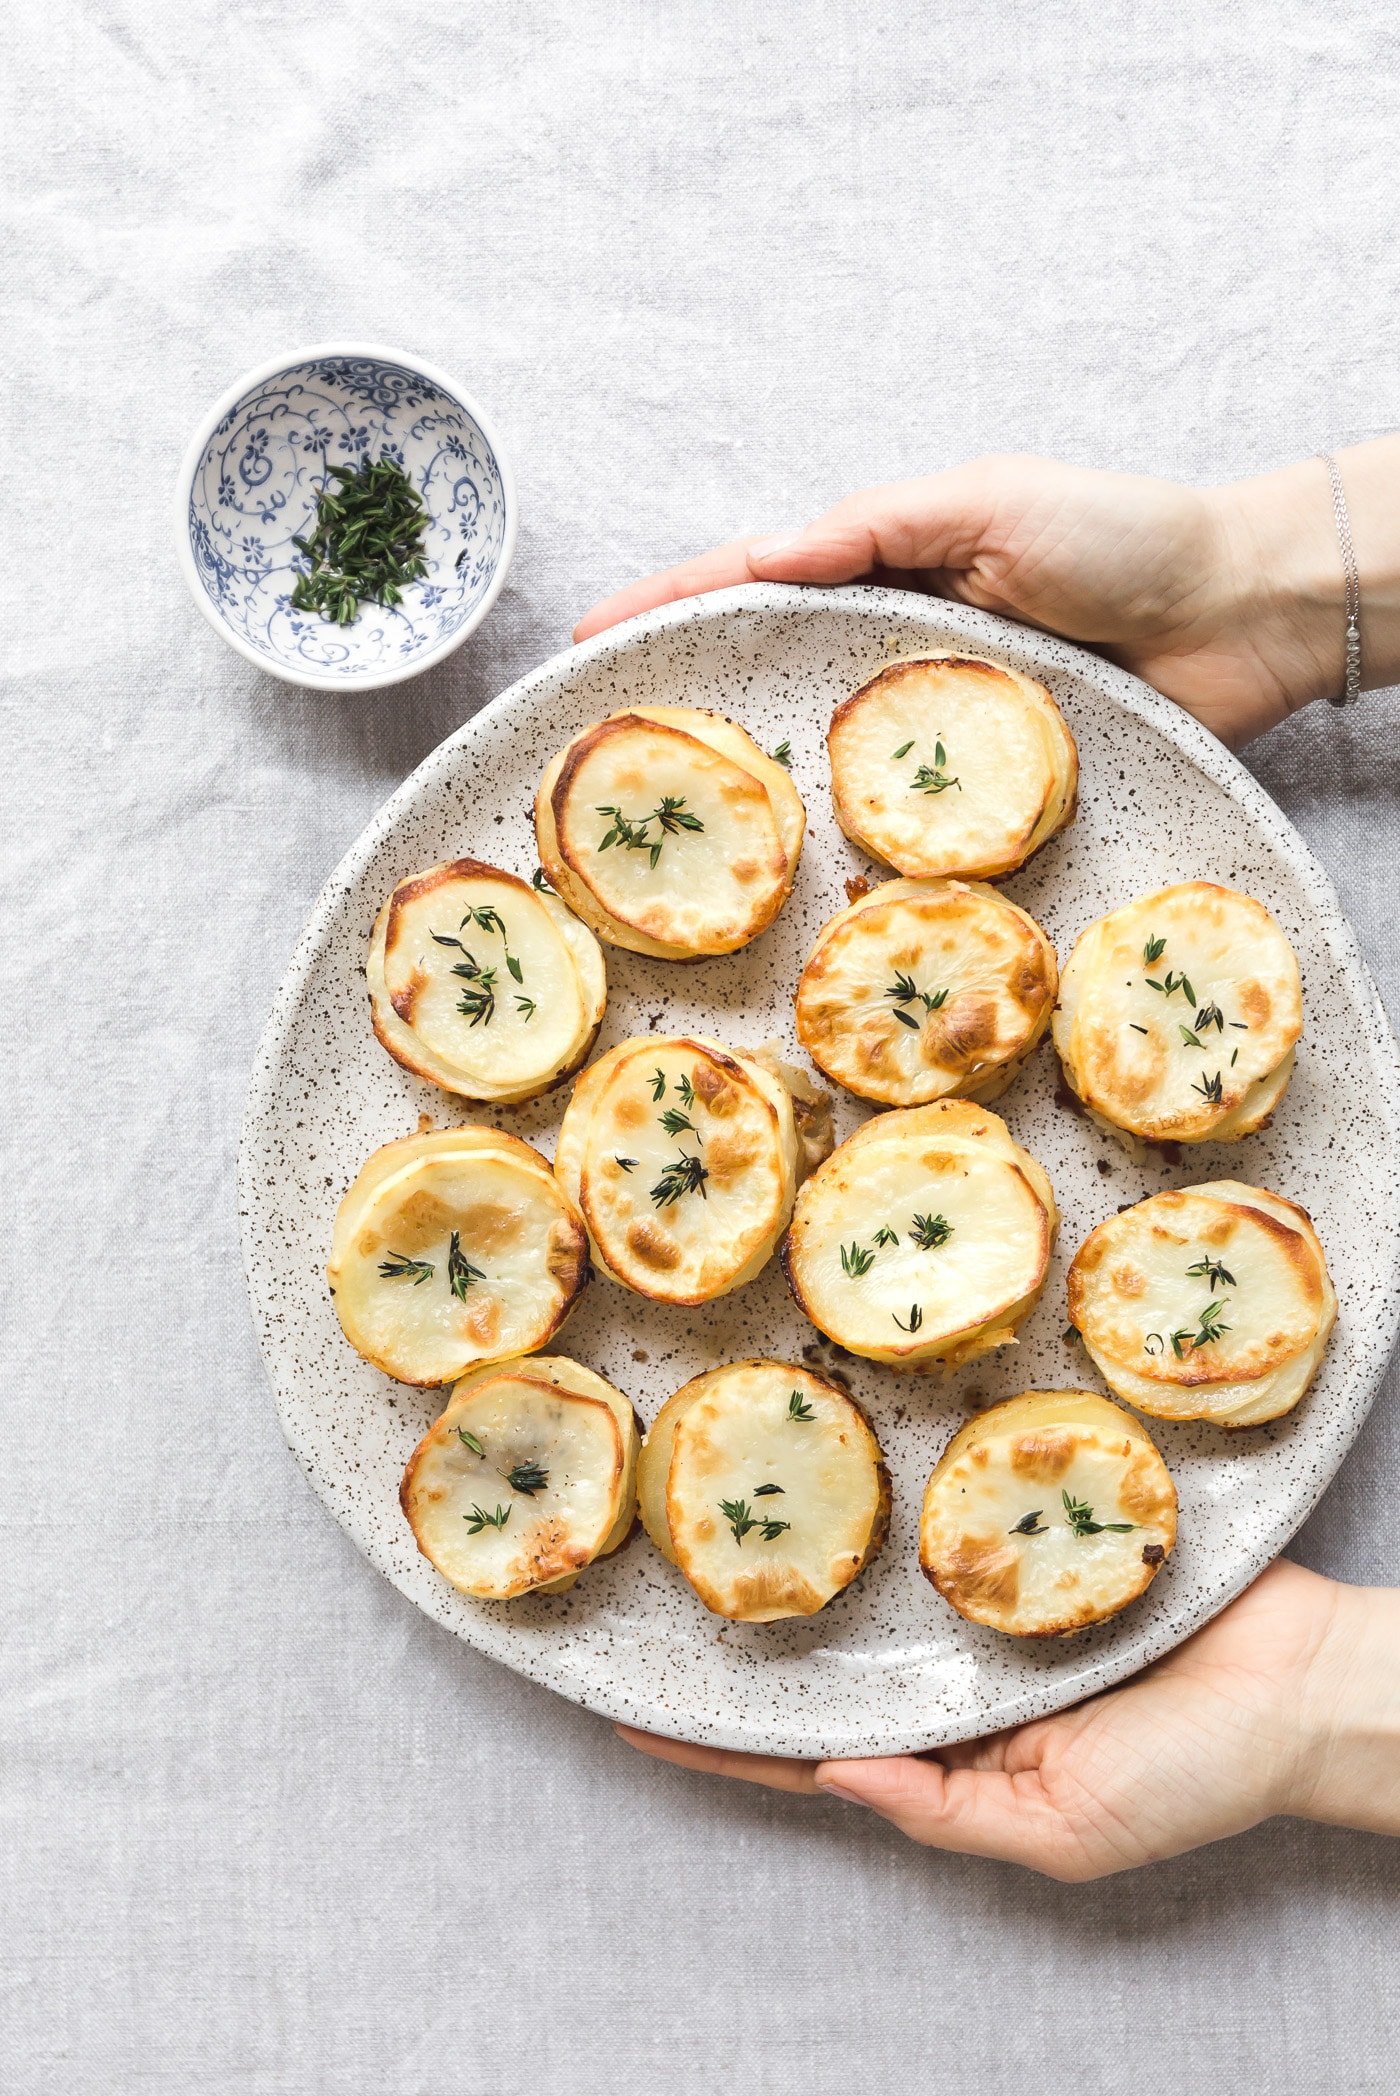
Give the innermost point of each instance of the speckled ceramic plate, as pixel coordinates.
(887, 1666)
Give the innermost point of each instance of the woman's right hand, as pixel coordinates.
(1229, 600)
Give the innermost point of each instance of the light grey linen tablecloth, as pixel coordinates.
(266, 1829)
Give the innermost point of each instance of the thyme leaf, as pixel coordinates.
(684, 1175)
(478, 1519)
(470, 1441)
(1211, 1270)
(1026, 1526)
(799, 1409)
(916, 1318)
(885, 1236)
(677, 1123)
(783, 754)
(366, 541)
(930, 1231)
(856, 1260)
(1211, 1089)
(633, 832)
(527, 1478)
(398, 1268)
(1153, 950)
(1081, 1519)
(460, 1271)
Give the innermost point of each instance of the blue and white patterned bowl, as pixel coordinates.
(248, 487)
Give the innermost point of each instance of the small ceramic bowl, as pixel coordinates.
(248, 487)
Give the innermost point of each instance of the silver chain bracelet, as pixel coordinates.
(1352, 688)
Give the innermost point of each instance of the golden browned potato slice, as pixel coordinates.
(682, 1157)
(766, 1486)
(668, 831)
(1213, 1302)
(452, 1249)
(482, 984)
(924, 1240)
(1047, 1513)
(952, 765)
(528, 1476)
(1178, 1015)
(926, 990)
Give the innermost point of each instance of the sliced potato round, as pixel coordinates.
(924, 1240)
(1179, 1013)
(1047, 1513)
(528, 1476)
(1211, 1302)
(766, 1486)
(452, 1249)
(668, 831)
(682, 1157)
(483, 984)
(926, 990)
(952, 765)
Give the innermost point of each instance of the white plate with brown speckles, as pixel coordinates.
(887, 1667)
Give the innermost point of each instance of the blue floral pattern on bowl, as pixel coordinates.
(253, 490)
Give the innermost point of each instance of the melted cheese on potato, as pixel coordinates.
(1047, 1513)
(924, 1239)
(452, 1249)
(765, 1484)
(669, 831)
(1213, 1302)
(523, 1480)
(682, 1157)
(952, 765)
(926, 990)
(1178, 1015)
(482, 984)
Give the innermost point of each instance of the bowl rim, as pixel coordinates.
(257, 375)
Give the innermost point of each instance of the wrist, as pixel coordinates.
(1347, 1763)
(1285, 583)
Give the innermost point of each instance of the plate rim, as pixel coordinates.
(1102, 1670)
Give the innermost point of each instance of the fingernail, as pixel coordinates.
(836, 1790)
(769, 549)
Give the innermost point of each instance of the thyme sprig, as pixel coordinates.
(799, 1409)
(1152, 952)
(677, 1123)
(904, 990)
(397, 1267)
(1081, 1519)
(460, 1271)
(478, 1002)
(478, 1519)
(470, 1441)
(1026, 1526)
(527, 1478)
(885, 1236)
(783, 754)
(631, 831)
(366, 542)
(1171, 982)
(930, 1231)
(916, 1318)
(1211, 1270)
(856, 1259)
(1211, 1089)
(929, 778)
(684, 1175)
(741, 1521)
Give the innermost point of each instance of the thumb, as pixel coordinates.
(941, 521)
(975, 1812)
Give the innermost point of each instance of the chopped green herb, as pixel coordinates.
(366, 542)
(629, 1164)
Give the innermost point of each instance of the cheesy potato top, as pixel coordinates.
(952, 765)
(926, 989)
(669, 831)
(1047, 1513)
(1179, 1013)
(451, 1249)
(1212, 1301)
(482, 983)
